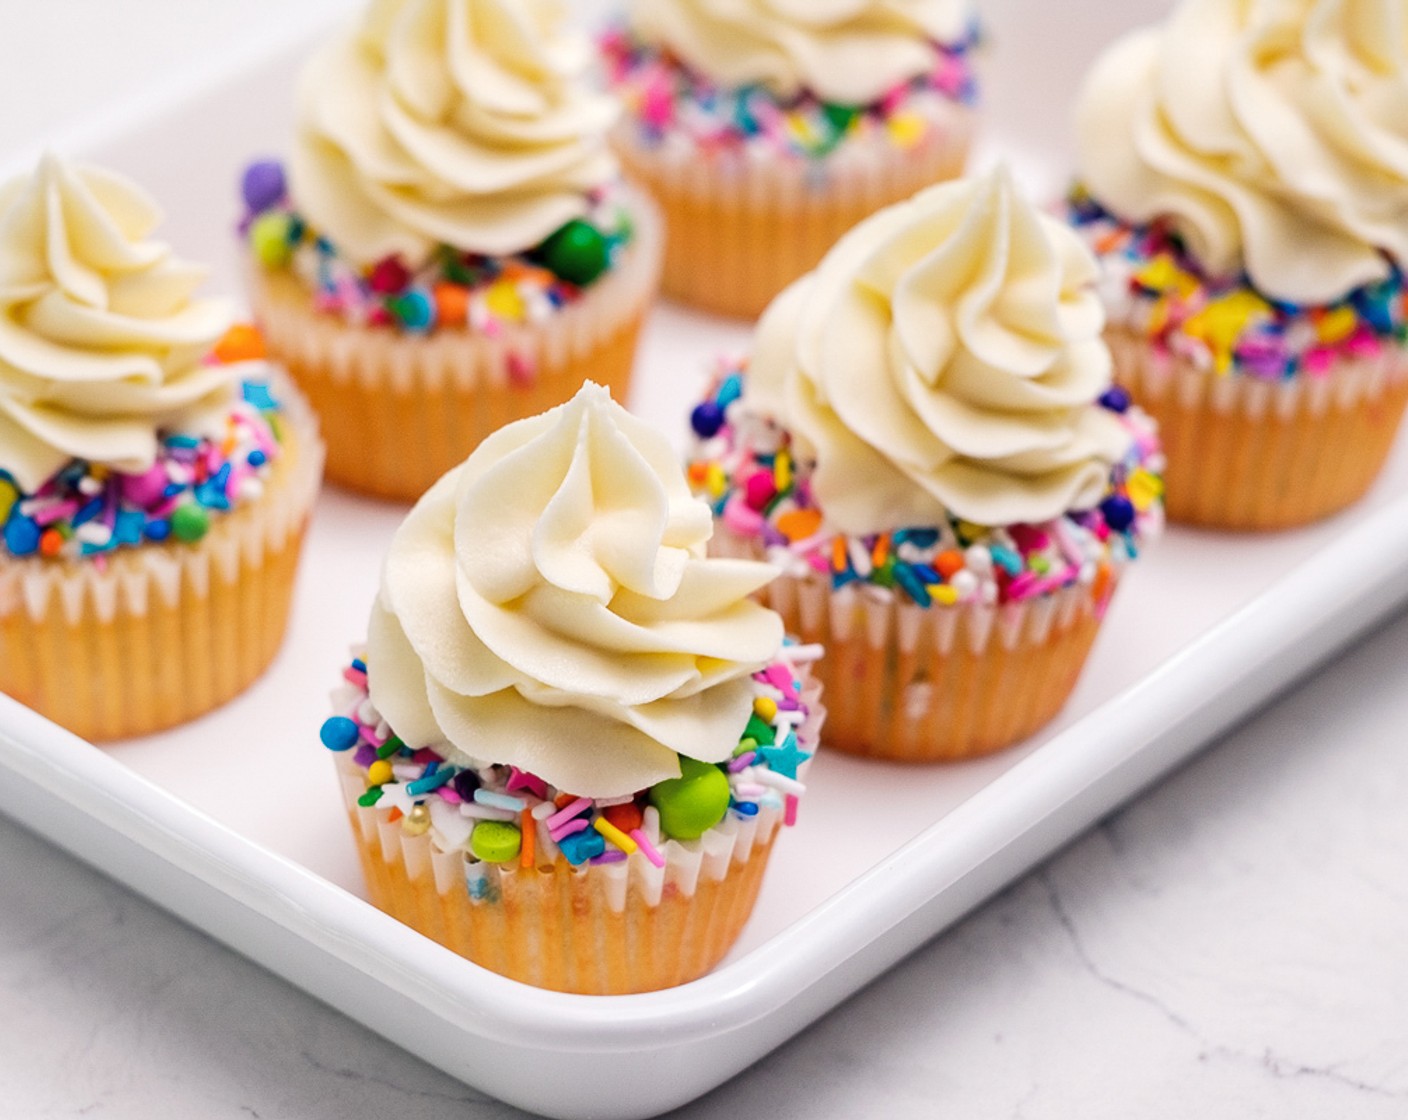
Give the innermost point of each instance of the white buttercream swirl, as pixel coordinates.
(548, 604)
(942, 358)
(100, 340)
(456, 122)
(1274, 133)
(851, 52)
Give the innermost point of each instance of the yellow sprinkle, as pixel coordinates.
(971, 530)
(799, 128)
(1158, 316)
(615, 835)
(906, 129)
(9, 495)
(715, 481)
(1144, 489)
(943, 594)
(1337, 325)
(503, 301)
(1160, 274)
(782, 472)
(766, 707)
(379, 773)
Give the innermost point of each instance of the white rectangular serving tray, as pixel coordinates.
(234, 822)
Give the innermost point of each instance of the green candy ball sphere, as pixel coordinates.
(578, 253)
(693, 803)
(271, 238)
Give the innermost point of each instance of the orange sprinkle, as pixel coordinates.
(241, 343)
(529, 828)
(698, 471)
(839, 558)
(799, 524)
(50, 542)
(626, 817)
(1111, 241)
(881, 550)
(1101, 587)
(949, 563)
(395, 816)
(451, 304)
(562, 800)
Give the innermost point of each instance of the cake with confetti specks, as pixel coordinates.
(767, 128)
(1244, 185)
(156, 471)
(450, 245)
(565, 707)
(926, 441)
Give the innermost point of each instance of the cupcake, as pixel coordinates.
(451, 247)
(768, 128)
(1245, 185)
(927, 442)
(572, 738)
(155, 472)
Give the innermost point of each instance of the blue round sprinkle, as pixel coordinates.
(157, 529)
(339, 733)
(21, 535)
(1115, 399)
(415, 309)
(1118, 511)
(262, 185)
(257, 458)
(707, 419)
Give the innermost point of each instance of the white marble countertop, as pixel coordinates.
(1230, 945)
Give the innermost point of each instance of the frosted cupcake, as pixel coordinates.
(572, 738)
(927, 442)
(767, 128)
(155, 472)
(451, 247)
(1246, 188)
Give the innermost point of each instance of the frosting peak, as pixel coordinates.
(944, 358)
(457, 122)
(100, 339)
(1272, 133)
(851, 52)
(549, 605)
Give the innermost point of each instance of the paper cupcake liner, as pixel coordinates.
(1249, 454)
(164, 632)
(937, 684)
(741, 227)
(604, 929)
(399, 410)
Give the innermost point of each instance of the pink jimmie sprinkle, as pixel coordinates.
(789, 815)
(562, 816)
(579, 824)
(1023, 587)
(647, 848)
(449, 796)
(355, 677)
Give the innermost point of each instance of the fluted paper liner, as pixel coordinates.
(1250, 454)
(604, 929)
(398, 410)
(936, 684)
(164, 632)
(741, 227)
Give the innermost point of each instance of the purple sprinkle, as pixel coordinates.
(742, 762)
(611, 855)
(365, 756)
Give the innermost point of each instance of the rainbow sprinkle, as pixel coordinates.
(453, 288)
(743, 466)
(1153, 287)
(535, 822)
(666, 98)
(86, 510)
